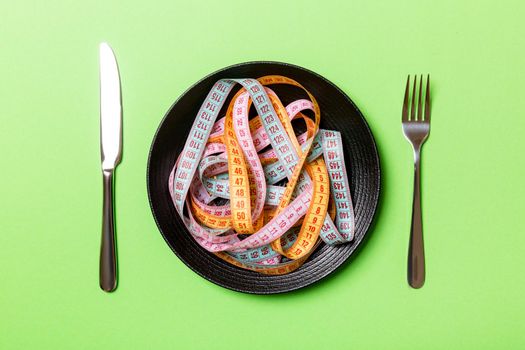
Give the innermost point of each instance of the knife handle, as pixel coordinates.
(108, 261)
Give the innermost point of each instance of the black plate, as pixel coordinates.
(338, 112)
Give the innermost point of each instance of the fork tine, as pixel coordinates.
(413, 102)
(404, 116)
(427, 100)
(419, 110)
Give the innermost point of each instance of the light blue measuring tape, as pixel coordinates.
(201, 173)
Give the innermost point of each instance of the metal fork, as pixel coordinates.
(416, 127)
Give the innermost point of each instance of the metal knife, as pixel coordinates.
(111, 152)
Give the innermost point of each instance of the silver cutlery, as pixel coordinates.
(416, 127)
(111, 153)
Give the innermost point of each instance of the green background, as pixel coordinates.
(50, 188)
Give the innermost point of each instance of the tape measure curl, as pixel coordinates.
(227, 183)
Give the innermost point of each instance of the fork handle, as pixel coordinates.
(108, 261)
(416, 251)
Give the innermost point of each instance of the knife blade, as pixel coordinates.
(111, 153)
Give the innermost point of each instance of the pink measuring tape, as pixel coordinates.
(256, 192)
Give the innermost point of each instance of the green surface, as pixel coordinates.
(50, 188)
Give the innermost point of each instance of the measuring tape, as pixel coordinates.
(253, 190)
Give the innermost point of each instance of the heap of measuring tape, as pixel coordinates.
(252, 191)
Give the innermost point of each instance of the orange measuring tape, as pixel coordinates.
(255, 191)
